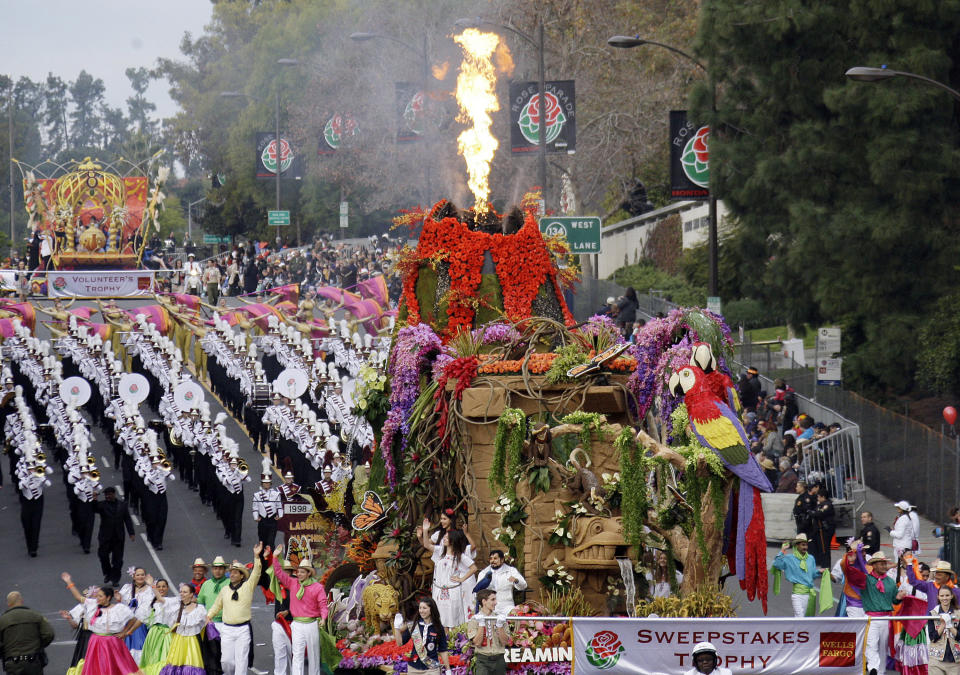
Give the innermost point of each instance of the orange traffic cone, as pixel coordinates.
(833, 544)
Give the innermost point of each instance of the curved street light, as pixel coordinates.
(713, 245)
(867, 74)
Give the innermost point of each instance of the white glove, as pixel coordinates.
(448, 672)
(501, 622)
(398, 621)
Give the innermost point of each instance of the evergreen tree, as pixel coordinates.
(843, 191)
(86, 95)
(55, 115)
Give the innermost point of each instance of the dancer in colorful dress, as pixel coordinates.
(110, 622)
(183, 656)
(135, 595)
(158, 615)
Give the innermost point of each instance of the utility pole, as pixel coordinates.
(542, 112)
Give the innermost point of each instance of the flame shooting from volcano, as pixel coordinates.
(477, 99)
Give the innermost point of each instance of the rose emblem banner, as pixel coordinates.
(654, 646)
(560, 110)
(689, 158)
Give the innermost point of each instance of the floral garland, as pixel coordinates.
(523, 266)
(657, 337)
(412, 350)
(463, 370)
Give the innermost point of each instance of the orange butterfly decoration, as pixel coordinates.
(372, 512)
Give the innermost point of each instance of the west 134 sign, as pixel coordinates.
(560, 110)
(689, 158)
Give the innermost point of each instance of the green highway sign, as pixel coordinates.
(216, 239)
(278, 218)
(581, 232)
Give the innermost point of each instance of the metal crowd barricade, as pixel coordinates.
(838, 461)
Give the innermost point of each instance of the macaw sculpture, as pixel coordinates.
(717, 427)
(719, 382)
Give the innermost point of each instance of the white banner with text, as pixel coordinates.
(108, 284)
(784, 646)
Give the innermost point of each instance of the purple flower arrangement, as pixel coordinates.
(412, 350)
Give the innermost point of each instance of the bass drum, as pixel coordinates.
(260, 397)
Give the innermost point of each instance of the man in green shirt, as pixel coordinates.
(211, 588)
(24, 634)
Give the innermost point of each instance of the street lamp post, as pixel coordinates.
(276, 138)
(10, 149)
(866, 74)
(538, 45)
(713, 245)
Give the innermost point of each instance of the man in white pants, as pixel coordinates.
(234, 602)
(879, 594)
(308, 605)
(280, 630)
(800, 569)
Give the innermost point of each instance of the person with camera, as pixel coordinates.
(489, 635)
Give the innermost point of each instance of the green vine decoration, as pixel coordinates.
(694, 486)
(508, 451)
(591, 423)
(634, 467)
(568, 356)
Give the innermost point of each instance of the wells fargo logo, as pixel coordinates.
(838, 650)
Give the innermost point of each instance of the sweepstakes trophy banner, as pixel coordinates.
(114, 284)
(785, 646)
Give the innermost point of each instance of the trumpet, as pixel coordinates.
(166, 466)
(40, 470)
(95, 476)
(41, 456)
(243, 467)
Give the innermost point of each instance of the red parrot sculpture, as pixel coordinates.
(718, 428)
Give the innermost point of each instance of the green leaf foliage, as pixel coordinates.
(843, 193)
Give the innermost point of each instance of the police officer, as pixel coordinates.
(24, 634)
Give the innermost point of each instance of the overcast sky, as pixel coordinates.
(103, 37)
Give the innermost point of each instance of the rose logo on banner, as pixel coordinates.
(838, 650)
(59, 283)
(696, 158)
(604, 650)
(529, 121)
(188, 396)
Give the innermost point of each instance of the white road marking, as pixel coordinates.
(135, 520)
(153, 554)
(103, 460)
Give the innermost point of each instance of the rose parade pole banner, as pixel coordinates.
(114, 284)
(560, 107)
(689, 158)
(784, 646)
(290, 164)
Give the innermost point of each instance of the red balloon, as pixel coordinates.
(950, 414)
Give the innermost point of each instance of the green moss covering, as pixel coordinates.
(491, 296)
(426, 291)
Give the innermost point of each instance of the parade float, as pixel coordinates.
(94, 214)
(576, 453)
